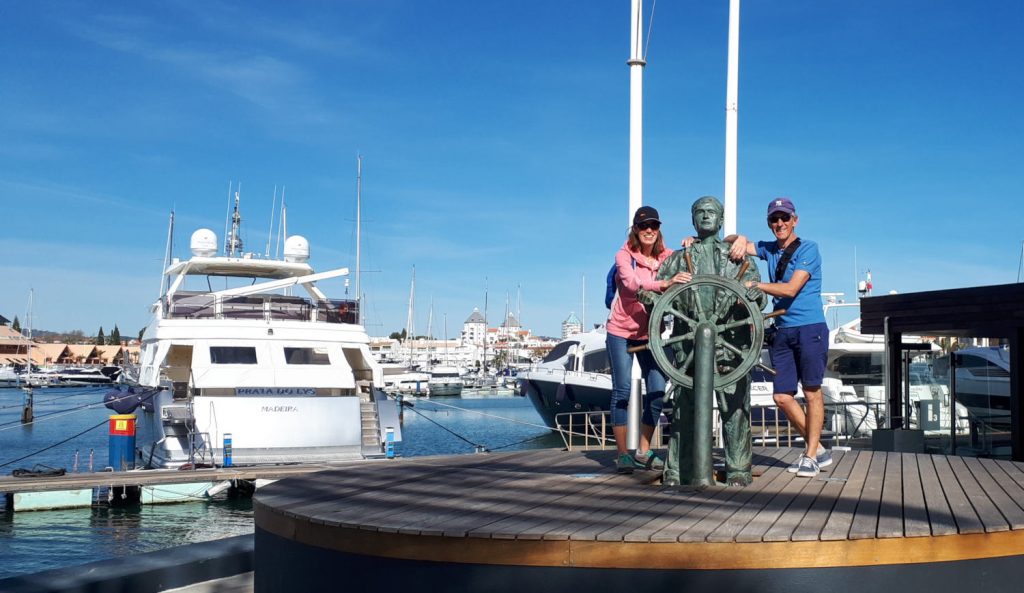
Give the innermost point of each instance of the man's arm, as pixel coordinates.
(741, 247)
(784, 289)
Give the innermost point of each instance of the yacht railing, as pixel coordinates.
(199, 305)
(845, 422)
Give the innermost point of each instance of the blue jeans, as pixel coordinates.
(622, 368)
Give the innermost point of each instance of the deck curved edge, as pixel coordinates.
(641, 555)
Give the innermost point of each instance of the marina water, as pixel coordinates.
(40, 540)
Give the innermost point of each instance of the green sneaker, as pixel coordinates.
(625, 464)
(649, 461)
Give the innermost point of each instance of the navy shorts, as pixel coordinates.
(799, 354)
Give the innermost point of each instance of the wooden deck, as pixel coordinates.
(555, 508)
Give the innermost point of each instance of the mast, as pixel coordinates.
(636, 111)
(485, 324)
(359, 222)
(270, 233)
(167, 254)
(732, 117)
(410, 327)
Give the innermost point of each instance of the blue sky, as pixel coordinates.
(495, 137)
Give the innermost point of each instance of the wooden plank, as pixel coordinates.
(495, 500)
(890, 510)
(711, 516)
(787, 523)
(915, 511)
(727, 530)
(940, 515)
(376, 510)
(865, 518)
(685, 501)
(778, 507)
(966, 518)
(539, 507)
(967, 469)
(1003, 473)
(1003, 491)
(837, 527)
(809, 528)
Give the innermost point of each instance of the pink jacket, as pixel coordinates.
(628, 318)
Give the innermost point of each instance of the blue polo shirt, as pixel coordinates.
(805, 307)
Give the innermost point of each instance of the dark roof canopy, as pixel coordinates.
(982, 311)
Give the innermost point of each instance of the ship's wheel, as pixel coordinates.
(723, 303)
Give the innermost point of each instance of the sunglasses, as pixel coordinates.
(652, 225)
(783, 216)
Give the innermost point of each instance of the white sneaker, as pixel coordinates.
(824, 459)
(808, 468)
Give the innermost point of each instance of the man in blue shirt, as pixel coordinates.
(800, 346)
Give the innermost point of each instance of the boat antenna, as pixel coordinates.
(583, 310)
(234, 242)
(1020, 266)
(732, 116)
(167, 254)
(282, 226)
(270, 233)
(359, 221)
(227, 212)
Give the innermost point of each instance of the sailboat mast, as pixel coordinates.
(270, 233)
(732, 117)
(359, 227)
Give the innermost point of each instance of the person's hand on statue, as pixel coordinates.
(753, 292)
(739, 248)
(679, 278)
(687, 241)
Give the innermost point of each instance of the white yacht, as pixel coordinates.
(287, 377)
(444, 381)
(982, 384)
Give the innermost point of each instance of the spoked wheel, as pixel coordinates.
(721, 302)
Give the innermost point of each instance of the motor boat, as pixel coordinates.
(982, 384)
(266, 361)
(444, 381)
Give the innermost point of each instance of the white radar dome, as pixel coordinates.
(296, 249)
(203, 243)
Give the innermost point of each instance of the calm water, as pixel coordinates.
(34, 541)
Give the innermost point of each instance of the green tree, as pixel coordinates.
(100, 340)
(141, 331)
(115, 337)
(16, 326)
(397, 335)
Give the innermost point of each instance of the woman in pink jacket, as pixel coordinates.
(637, 264)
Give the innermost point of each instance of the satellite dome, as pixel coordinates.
(296, 249)
(203, 243)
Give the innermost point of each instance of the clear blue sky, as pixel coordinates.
(495, 137)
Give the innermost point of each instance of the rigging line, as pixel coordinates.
(17, 423)
(443, 427)
(54, 445)
(650, 29)
(526, 440)
(45, 401)
(513, 420)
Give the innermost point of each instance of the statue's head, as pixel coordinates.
(708, 214)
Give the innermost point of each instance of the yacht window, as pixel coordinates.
(597, 362)
(306, 356)
(233, 354)
(559, 351)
